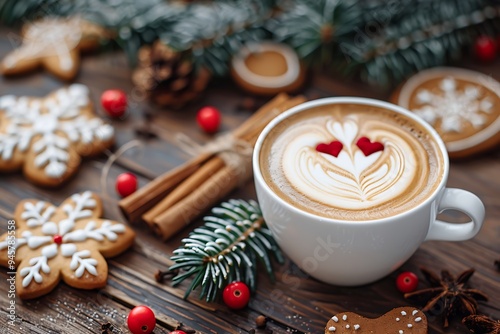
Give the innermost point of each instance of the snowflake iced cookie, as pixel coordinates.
(68, 242)
(401, 320)
(462, 105)
(45, 137)
(54, 44)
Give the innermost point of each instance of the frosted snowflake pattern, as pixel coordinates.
(46, 238)
(49, 127)
(453, 106)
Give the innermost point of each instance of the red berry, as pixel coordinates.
(407, 282)
(208, 119)
(114, 101)
(485, 48)
(178, 332)
(57, 239)
(126, 184)
(236, 295)
(141, 320)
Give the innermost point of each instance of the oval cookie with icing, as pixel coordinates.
(462, 105)
(401, 320)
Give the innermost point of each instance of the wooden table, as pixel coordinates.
(295, 303)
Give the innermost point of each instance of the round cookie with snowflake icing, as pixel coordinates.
(462, 105)
(46, 137)
(68, 242)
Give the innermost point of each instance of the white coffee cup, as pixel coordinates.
(355, 253)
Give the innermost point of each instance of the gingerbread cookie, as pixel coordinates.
(462, 105)
(267, 68)
(54, 44)
(401, 320)
(45, 137)
(68, 242)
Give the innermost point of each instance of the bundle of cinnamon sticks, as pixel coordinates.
(174, 199)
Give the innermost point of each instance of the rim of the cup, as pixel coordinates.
(353, 100)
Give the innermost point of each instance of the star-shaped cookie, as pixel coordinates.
(54, 44)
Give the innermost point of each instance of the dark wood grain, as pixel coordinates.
(295, 303)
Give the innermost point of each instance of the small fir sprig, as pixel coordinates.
(226, 248)
(314, 27)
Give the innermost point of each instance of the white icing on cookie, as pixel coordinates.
(50, 125)
(81, 207)
(407, 325)
(47, 38)
(82, 261)
(450, 108)
(35, 214)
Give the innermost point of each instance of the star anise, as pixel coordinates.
(481, 324)
(448, 295)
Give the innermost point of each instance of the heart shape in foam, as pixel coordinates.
(404, 320)
(332, 148)
(368, 147)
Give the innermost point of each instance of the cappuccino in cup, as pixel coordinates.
(351, 187)
(351, 162)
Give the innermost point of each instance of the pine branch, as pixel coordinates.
(226, 249)
(382, 41)
(216, 31)
(418, 36)
(312, 27)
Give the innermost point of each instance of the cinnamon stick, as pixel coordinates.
(185, 211)
(135, 205)
(189, 185)
(218, 185)
(249, 132)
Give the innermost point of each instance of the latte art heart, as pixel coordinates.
(351, 162)
(351, 180)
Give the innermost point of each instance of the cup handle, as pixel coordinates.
(463, 201)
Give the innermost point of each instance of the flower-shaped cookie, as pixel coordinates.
(68, 242)
(54, 44)
(47, 136)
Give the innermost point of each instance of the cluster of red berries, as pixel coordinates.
(114, 103)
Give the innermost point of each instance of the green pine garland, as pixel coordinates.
(425, 34)
(226, 248)
(385, 41)
(381, 41)
(214, 31)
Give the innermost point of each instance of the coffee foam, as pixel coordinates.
(351, 186)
